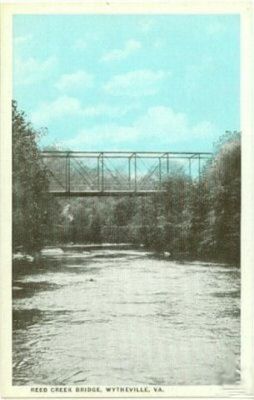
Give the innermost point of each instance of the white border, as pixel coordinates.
(245, 10)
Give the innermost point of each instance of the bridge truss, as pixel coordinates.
(82, 173)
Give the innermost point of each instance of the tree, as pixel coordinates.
(224, 178)
(215, 204)
(30, 185)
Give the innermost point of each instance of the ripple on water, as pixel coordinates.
(125, 317)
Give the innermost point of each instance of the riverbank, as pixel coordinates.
(28, 258)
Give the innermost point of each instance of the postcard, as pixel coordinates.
(126, 206)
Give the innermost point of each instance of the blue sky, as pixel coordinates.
(129, 82)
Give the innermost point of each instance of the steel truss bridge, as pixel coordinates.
(83, 173)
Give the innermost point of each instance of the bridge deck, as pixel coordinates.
(86, 174)
(96, 193)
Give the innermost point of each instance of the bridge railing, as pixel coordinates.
(88, 173)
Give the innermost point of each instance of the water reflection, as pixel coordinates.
(124, 317)
(24, 319)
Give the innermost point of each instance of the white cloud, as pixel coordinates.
(76, 80)
(62, 106)
(66, 106)
(31, 70)
(194, 79)
(19, 40)
(136, 83)
(146, 25)
(159, 128)
(130, 47)
(106, 110)
(159, 44)
(215, 28)
(80, 44)
(86, 40)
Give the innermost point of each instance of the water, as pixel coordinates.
(124, 317)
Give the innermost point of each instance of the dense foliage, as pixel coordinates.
(30, 198)
(193, 219)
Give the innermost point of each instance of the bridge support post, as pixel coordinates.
(102, 172)
(68, 173)
(199, 168)
(129, 173)
(160, 173)
(167, 164)
(135, 170)
(98, 173)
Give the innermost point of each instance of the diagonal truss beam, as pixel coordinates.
(107, 177)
